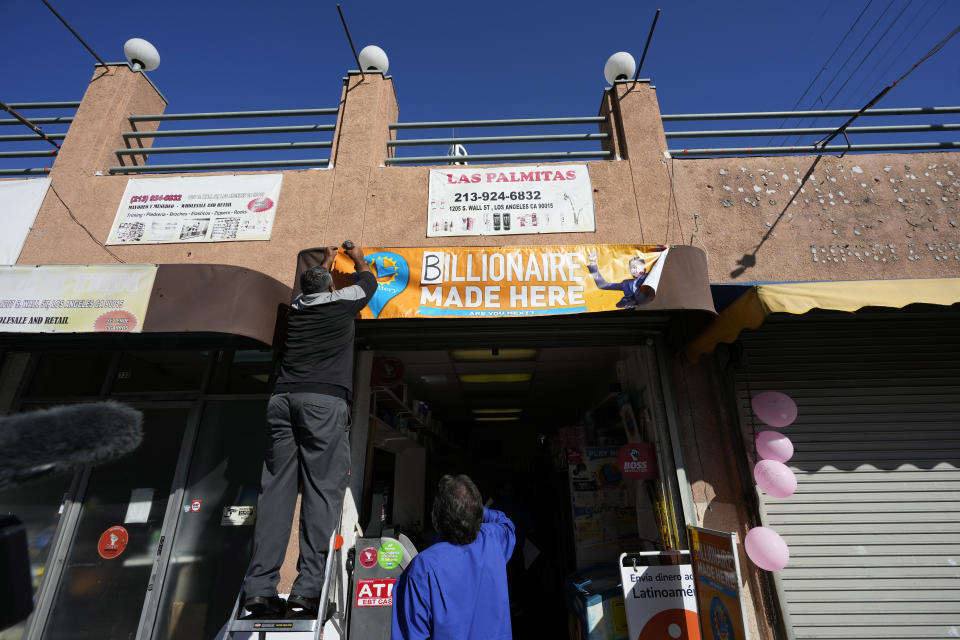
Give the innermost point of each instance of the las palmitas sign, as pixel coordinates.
(508, 281)
(469, 201)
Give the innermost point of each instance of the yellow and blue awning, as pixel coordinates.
(752, 307)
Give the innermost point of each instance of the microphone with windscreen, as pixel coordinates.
(66, 438)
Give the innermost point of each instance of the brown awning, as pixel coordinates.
(215, 298)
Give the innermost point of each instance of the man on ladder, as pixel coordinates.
(309, 420)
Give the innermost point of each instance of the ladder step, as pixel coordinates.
(273, 626)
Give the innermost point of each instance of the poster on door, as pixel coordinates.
(659, 595)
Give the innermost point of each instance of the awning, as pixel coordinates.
(753, 306)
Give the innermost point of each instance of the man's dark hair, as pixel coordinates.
(457, 509)
(315, 280)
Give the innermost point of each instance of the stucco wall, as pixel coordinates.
(858, 217)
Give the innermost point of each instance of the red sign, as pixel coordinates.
(195, 505)
(112, 542)
(368, 557)
(377, 592)
(386, 372)
(637, 460)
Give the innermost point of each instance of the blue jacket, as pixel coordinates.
(458, 592)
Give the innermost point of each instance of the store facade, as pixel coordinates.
(543, 342)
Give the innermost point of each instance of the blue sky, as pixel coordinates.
(495, 59)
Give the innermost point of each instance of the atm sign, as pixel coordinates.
(375, 593)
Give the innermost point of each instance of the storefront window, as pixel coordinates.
(161, 371)
(105, 577)
(69, 374)
(37, 505)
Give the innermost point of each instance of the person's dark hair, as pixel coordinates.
(457, 509)
(315, 280)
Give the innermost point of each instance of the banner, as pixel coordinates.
(447, 282)
(20, 202)
(716, 569)
(500, 201)
(204, 209)
(75, 298)
(658, 594)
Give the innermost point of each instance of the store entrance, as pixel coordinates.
(539, 430)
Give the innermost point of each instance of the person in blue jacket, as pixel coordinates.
(635, 293)
(456, 589)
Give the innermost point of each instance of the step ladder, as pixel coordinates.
(333, 621)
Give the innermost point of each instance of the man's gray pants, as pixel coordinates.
(310, 451)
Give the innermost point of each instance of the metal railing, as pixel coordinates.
(135, 153)
(452, 142)
(29, 144)
(815, 133)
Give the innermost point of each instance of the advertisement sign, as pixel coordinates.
(377, 592)
(204, 209)
(603, 507)
(449, 282)
(637, 461)
(20, 202)
(467, 201)
(717, 572)
(64, 298)
(658, 593)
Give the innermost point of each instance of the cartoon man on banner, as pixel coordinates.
(640, 288)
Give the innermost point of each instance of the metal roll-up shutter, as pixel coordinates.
(874, 526)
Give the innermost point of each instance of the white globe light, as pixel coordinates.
(141, 54)
(373, 58)
(619, 66)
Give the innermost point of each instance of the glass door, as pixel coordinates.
(108, 565)
(214, 532)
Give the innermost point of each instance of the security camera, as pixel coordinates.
(141, 54)
(373, 58)
(619, 66)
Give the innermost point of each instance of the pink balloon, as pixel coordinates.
(766, 549)
(775, 478)
(772, 445)
(774, 408)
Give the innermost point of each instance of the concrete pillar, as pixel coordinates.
(115, 93)
(638, 138)
(77, 213)
(367, 107)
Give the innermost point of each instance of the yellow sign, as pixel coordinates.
(717, 573)
(448, 282)
(75, 298)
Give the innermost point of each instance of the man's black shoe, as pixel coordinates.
(263, 608)
(302, 607)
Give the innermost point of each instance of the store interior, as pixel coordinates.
(507, 417)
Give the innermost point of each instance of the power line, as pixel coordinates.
(825, 64)
(842, 66)
(907, 46)
(869, 53)
(869, 74)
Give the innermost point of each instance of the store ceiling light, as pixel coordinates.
(498, 411)
(498, 419)
(477, 378)
(476, 355)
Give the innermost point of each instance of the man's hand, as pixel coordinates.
(329, 254)
(592, 257)
(356, 254)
